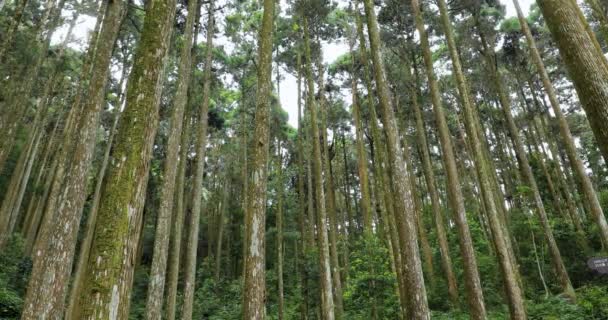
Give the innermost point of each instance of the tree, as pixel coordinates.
(586, 65)
(418, 305)
(255, 285)
(109, 272)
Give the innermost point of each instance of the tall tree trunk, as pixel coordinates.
(524, 166)
(178, 222)
(15, 109)
(361, 156)
(473, 284)
(154, 302)
(89, 229)
(255, 284)
(514, 294)
(330, 200)
(279, 226)
(85, 245)
(569, 146)
(586, 66)
(404, 209)
(109, 271)
(220, 230)
(47, 288)
(429, 176)
(327, 299)
(197, 189)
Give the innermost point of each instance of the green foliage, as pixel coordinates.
(14, 273)
(371, 284)
(510, 25)
(216, 300)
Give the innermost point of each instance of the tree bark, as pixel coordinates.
(586, 66)
(54, 249)
(327, 299)
(473, 283)
(255, 284)
(109, 271)
(564, 129)
(154, 302)
(404, 210)
(524, 166)
(197, 189)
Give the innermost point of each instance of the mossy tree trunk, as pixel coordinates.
(526, 169)
(54, 249)
(109, 272)
(586, 65)
(154, 302)
(255, 285)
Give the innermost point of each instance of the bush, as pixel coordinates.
(14, 273)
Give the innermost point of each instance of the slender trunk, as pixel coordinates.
(327, 299)
(569, 146)
(158, 269)
(514, 294)
(109, 271)
(178, 222)
(279, 226)
(255, 284)
(331, 201)
(220, 231)
(524, 166)
(473, 284)
(47, 288)
(197, 191)
(429, 176)
(404, 209)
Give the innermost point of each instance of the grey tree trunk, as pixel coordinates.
(569, 146)
(54, 249)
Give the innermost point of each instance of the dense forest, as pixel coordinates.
(303, 159)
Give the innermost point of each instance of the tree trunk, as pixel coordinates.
(279, 226)
(197, 191)
(473, 284)
(586, 66)
(524, 166)
(154, 302)
(255, 284)
(327, 299)
(514, 294)
(178, 222)
(109, 271)
(48, 286)
(404, 209)
(330, 201)
(569, 146)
